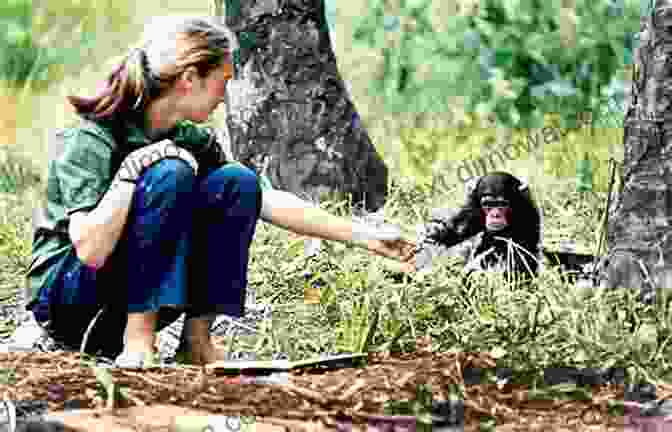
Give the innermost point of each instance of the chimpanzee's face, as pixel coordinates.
(496, 212)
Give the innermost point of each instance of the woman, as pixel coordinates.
(146, 217)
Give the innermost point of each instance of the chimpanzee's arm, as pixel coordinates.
(452, 230)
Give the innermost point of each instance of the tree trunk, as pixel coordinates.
(638, 239)
(288, 102)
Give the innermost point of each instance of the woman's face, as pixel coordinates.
(207, 93)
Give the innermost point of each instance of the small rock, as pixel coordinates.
(642, 392)
(56, 392)
(448, 412)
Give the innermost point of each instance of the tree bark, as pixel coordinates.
(639, 241)
(288, 102)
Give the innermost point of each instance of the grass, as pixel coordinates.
(551, 324)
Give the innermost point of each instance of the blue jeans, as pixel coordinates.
(185, 248)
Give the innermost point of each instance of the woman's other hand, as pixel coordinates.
(400, 250)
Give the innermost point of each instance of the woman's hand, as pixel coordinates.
(400, 250)
(136, 162)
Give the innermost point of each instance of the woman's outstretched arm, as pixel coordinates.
(290, 212)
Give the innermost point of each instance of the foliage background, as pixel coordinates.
(57, 47)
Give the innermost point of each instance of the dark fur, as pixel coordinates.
(467, 222)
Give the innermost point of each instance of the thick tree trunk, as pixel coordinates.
(288, 102)
(639, 241)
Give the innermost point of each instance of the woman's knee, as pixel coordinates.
(171, 172)
(164, 180)
(236, 179)
(241, 176)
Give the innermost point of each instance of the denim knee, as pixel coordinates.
(168, 176)
(233, 182)
(162, 203)
(170, 168)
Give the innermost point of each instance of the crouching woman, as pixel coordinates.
(145, 218)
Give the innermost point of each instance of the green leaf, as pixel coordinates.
(498, 352)
(580, 357)
(104, 377)
(504, 57)
(233, 8)
(247, 40)
(367, 336)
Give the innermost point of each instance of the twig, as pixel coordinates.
(309, 394)
(612, 163)
(359, 384)
(126, 393)
(148, 380)
(287, 425)
(235, 323)
(11, 413)
(88, 330)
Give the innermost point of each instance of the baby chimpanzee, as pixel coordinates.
(498, 208)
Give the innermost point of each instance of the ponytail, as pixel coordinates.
(126, 89)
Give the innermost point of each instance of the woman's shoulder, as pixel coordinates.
(81, 136)
(85, 130)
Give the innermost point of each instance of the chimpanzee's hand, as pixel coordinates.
(433, 231)
(437, 228)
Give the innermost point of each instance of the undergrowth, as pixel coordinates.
(361, 310)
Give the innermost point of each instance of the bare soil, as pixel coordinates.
(324, 398)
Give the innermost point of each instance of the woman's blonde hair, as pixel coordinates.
(168, 47)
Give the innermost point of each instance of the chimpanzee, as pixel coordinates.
(498, 208)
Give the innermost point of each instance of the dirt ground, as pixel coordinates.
(324, 398)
